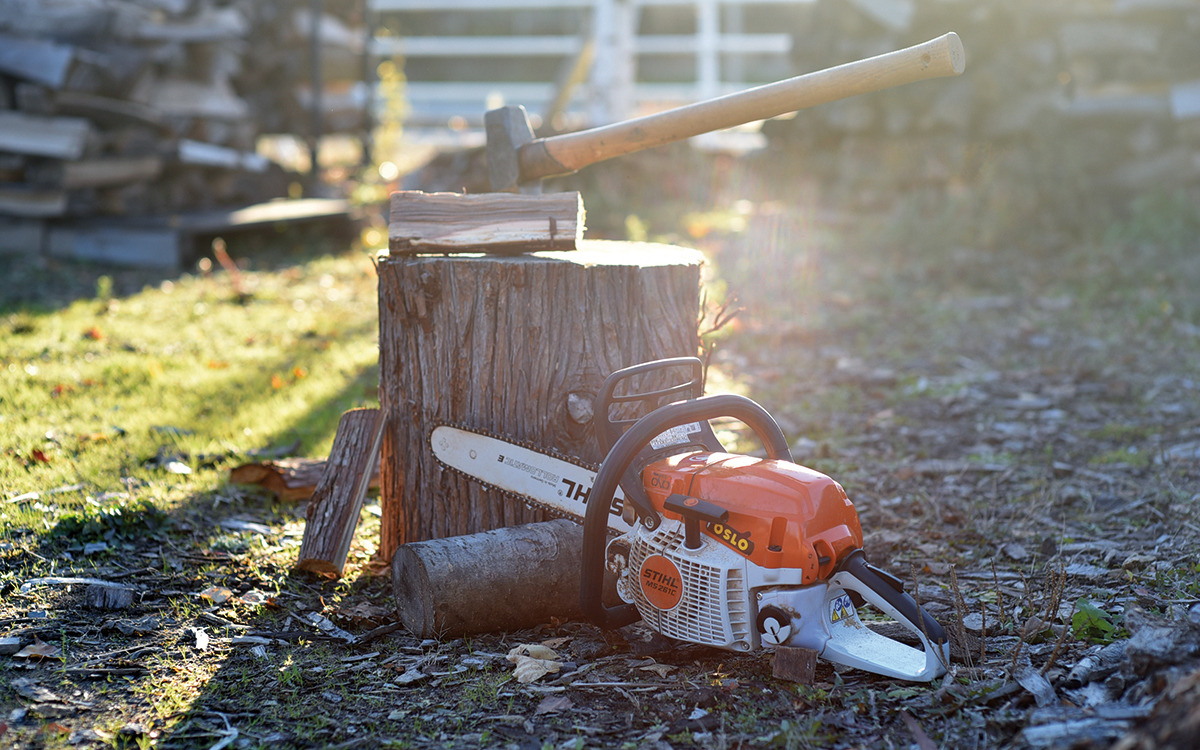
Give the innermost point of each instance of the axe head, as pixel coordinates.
(507, 130)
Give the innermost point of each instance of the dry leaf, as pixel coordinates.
(552, 704)
(556, 642)
(257, 598)
(216, 594)
(529, 669)
(662, 670)
(39, 650)
(533, 650)
(533, 661)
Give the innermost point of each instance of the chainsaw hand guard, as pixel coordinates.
(856, 646)
(619, 459)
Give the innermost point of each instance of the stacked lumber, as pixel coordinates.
(151, 107)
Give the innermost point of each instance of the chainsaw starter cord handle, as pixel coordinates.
(627, 447)
(877, 580)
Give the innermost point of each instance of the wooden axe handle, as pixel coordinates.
(563, 154)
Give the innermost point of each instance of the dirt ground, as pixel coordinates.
(1017, 423)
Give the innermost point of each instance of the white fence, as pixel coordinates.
(595, 67)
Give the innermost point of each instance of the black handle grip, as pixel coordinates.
(595, 522)
(877, 580)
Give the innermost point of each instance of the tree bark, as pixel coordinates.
(517, 346)
(333, 511)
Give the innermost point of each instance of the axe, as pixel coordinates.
(518, 161)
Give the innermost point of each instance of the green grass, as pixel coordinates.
(193, 368)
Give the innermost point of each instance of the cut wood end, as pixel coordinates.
(320, 567)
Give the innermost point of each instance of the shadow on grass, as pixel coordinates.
(171, 554)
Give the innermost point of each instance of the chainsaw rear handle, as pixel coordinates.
(627, 447)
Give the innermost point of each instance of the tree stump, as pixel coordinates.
(516, 345)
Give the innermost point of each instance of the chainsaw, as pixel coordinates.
(709, 547)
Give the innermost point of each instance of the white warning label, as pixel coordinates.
(841, 608)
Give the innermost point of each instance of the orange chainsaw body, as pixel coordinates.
(781, 515)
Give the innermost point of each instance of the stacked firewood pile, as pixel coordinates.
(134, 107)
(1089, 97)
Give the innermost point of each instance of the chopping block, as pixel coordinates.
(516, 343)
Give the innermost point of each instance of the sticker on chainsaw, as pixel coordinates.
(841, 608)
(535, 473)
(675, 436)
(661, 583)
(738, 540)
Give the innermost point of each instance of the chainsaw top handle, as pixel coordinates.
(626, 449)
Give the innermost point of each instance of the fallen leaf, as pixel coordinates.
(39, 650)
(216, 364)
(662, 670)
(529, 669)
(532, 662)
(556, 642)
(257, 599)
(276, 382)
(39, 456)
(363, 613)
(94, 333)
(299, 372)
(533, 650)
(553, 704)
(216, 594)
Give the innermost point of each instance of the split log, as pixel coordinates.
(58, 137)
(501, 580)
(90, 173)
(333, 511)
(518, 345)
(40, 60)
(180, 98)
(485, 222)
(31, 201)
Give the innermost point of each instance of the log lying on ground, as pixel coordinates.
(500, 580)
(487, 222)
(333, 511)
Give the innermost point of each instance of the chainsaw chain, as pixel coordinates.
(529, 502)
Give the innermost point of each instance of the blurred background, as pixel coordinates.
(1069, 114)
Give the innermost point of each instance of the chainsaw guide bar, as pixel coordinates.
(542, 479)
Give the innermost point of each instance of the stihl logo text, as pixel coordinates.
(579, 491)
(661, 583)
